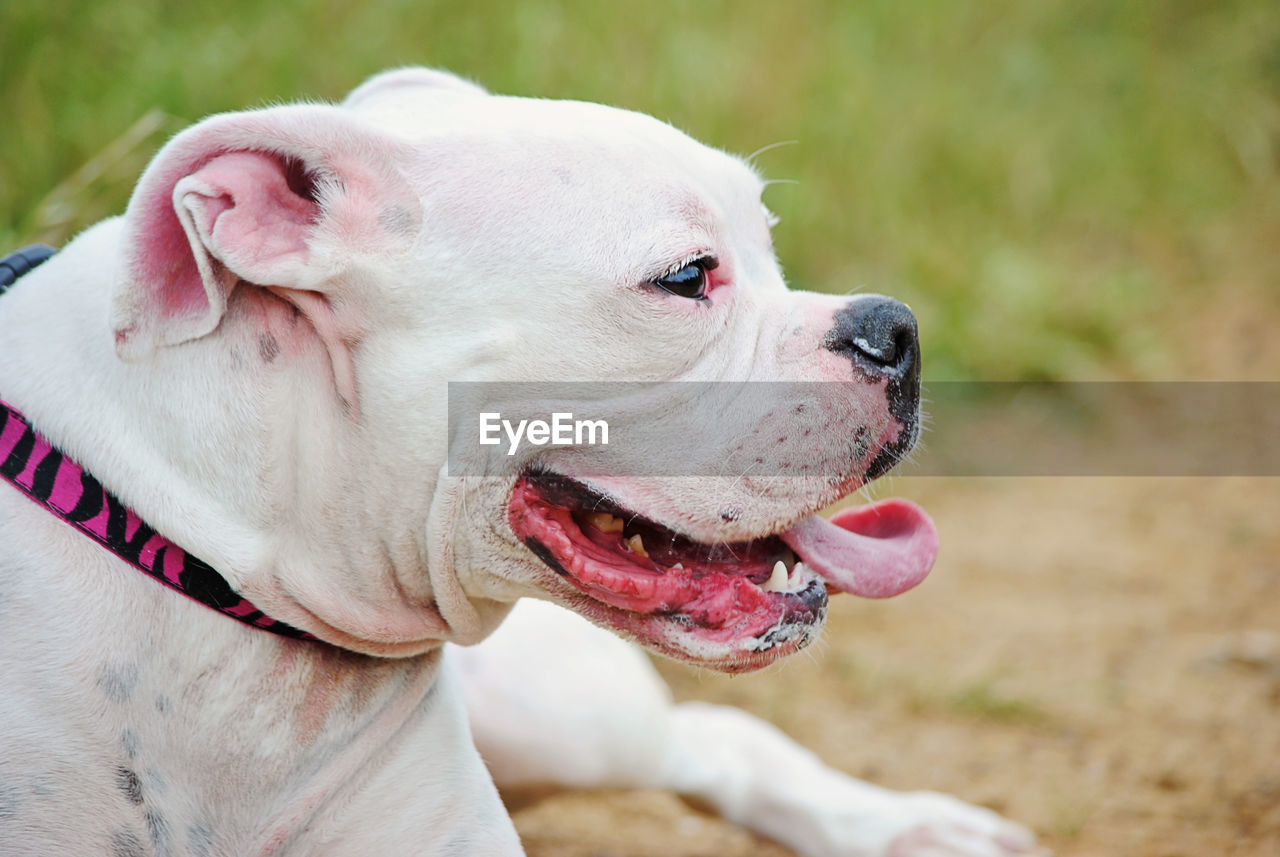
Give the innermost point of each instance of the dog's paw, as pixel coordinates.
(943, 826)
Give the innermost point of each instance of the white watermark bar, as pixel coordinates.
(826, 430)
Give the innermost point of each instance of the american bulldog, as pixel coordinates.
(238, 389)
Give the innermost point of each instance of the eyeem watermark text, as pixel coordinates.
(562, 430)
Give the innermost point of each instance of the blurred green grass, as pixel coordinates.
(1040, 180)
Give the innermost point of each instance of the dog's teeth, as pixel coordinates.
(777, 581)
(636, 545)
(679, 565)
(794, 577)
(606, 523)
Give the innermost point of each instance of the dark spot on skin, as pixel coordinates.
(730, 514)
(461, 845)
(158, 829)
(801, 408)
(163, 704)
(127, 781)
(41, 786)
(125, 843)
(154, 781)
(395, 220)
(861, 443)
(199, 839)
(118, 681)
(8, 802)
(268, 348)
(129, 743)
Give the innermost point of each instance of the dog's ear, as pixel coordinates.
(286, 198)
(397, 81)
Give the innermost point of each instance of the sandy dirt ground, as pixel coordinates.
(1098, 658)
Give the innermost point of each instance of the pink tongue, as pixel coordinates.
(874, 551)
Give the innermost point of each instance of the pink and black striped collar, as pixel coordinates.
(33, 466)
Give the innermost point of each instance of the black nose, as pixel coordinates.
(878, 334)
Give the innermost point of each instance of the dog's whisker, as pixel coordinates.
(751, 158)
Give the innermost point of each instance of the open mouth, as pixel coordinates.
(732, 605)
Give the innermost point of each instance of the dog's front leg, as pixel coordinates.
(554, 700)
(758, 777)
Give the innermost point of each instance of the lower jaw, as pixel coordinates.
(733, 648)
(705, 604)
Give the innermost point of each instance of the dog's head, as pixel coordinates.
(358, 258)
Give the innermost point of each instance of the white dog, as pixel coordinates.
(254, 362)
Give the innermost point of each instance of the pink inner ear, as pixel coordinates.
(234, 218)
(248, 217)
(163, 261)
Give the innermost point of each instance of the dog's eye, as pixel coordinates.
(689, 281)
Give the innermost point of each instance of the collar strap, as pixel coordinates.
(33, 466)
(16, 264)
